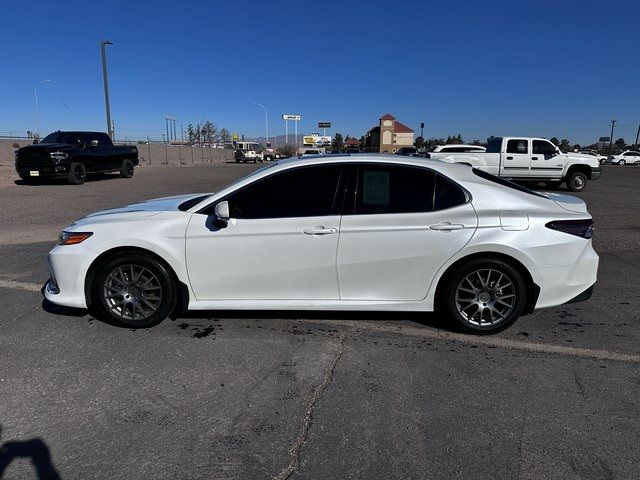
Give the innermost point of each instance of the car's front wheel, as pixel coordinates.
(484, 296)
(133, 290)
(622, 162)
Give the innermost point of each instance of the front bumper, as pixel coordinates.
(596, 173)
(44, 170)
(68, 267)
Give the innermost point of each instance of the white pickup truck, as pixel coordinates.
(530, 159)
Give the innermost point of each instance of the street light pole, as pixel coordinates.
(266, 120)
(103, 44)
(35, 94)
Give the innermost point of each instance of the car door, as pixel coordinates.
(279, 244)
(97, 156)
(545, 160)
(404, 224)
(516, 158)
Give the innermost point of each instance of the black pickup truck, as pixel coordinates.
(73, 155)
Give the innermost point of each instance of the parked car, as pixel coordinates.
(529, 159)
(628, 156)
(417, 236)
(407, 151)
(458, 149)
(602, 159)
(74, 155)
(248, 152)
(310, 151)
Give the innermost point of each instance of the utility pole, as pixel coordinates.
(35, 93)
(422, 130)
(103, 44)
(613, 124)
(266, 121)
(637, 136)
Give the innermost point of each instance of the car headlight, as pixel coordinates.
(58, 156)
(72, 238)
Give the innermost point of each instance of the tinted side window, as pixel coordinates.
(541, 147)
(394, 189)
(448, 194)
(301, 192)
(517, 146)
(103, 139)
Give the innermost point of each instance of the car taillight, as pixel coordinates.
(579, 228)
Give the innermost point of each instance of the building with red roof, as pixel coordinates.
(388, 136)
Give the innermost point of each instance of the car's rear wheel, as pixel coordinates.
(133, 290)
(484, 296)
(577, 181)
(126, 171)
(77, 173)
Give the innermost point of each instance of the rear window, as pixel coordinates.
(494, 144)
(506, 183)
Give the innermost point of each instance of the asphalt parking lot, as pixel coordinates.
(312, 395)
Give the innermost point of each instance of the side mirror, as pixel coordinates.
(222, 211)
(222, 215)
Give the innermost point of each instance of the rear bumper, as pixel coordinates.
(561, 284)
(596, 173)
(586, 295)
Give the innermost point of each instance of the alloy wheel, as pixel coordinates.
(132, 292)
(485, 297)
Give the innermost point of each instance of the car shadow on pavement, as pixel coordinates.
(34, 449)
(426, 319)
(42, 182)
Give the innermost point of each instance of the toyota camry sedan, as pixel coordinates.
(366, 232)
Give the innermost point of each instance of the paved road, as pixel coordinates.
(313, 395)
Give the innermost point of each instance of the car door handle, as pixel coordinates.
(319, 230)
(446, 226)
(534, 158)
(509, 158)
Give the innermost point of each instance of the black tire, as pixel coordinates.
(500, 274)
(577, 181)
(135, 293)
(622, 162)
(77, 173)
(127, 168)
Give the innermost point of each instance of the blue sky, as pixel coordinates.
(549, 68)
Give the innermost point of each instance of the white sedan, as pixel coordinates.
(627, 157)
(370, 232)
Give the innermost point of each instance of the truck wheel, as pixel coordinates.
(126, 171)
(77, 173)
(576, 181)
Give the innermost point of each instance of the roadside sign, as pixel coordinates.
(604, 139)
(324, 124)
(288, 116)
(234, 137)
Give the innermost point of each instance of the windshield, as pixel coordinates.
(69, 138)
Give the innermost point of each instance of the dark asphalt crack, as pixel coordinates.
(296, 448)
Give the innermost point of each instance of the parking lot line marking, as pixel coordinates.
(496, 342)
(30, 287)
